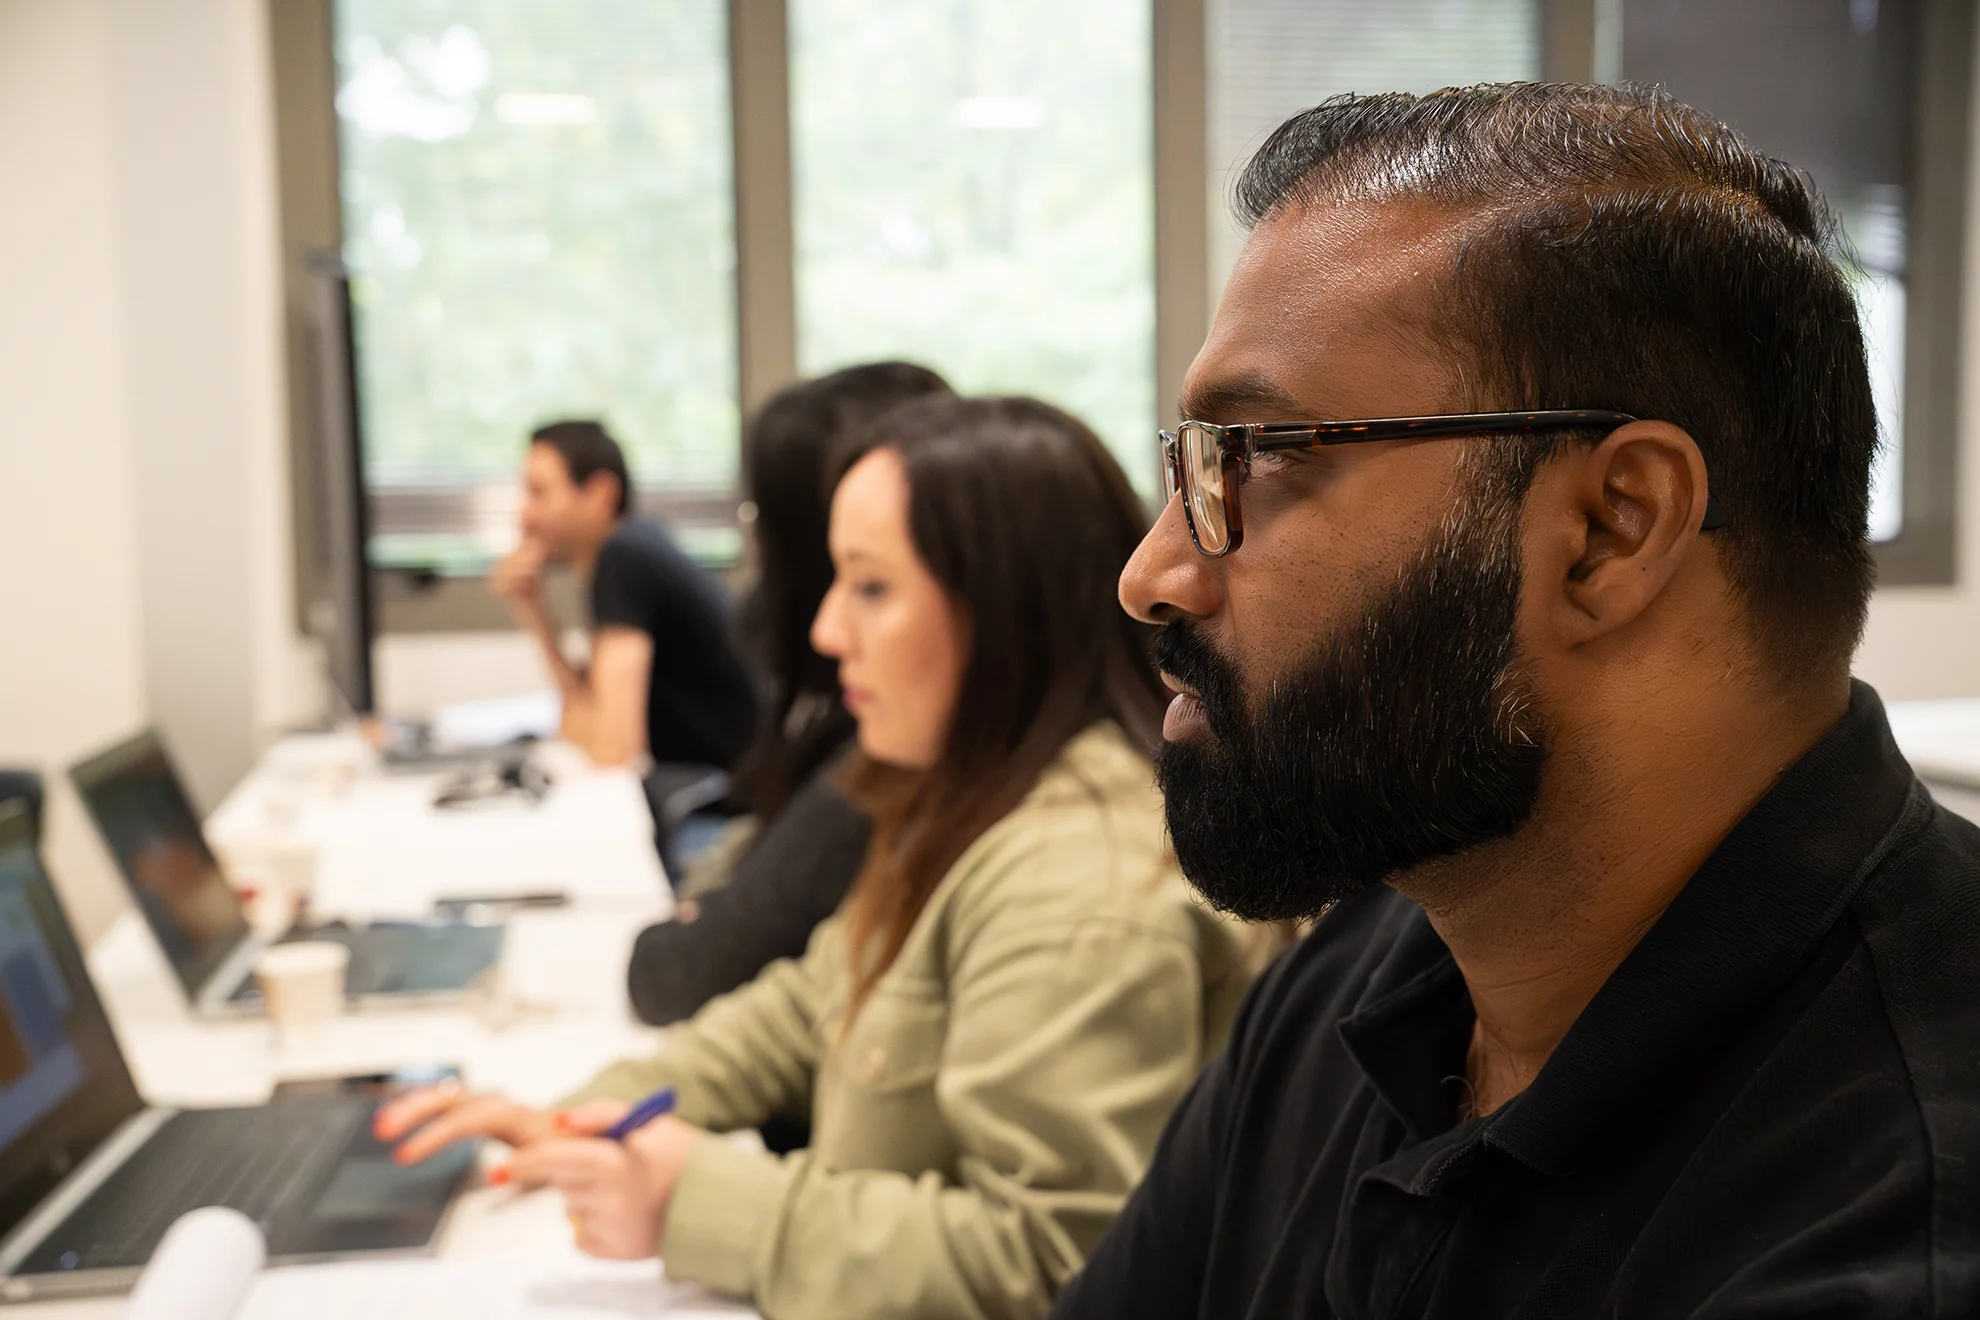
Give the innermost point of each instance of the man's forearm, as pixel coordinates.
(578, 720)
(579, 723)
(538, 623)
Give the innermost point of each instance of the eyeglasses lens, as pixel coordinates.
(1203, 481)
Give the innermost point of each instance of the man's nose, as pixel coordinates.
(1166, 576)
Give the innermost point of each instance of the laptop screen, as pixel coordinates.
(63, 1083)
(141, 810)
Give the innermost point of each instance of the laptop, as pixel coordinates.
(90, 1177)
(466, 732)
(140, 807)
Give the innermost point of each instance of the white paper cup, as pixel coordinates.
(292, 869)
(276, 875)
(302, 984)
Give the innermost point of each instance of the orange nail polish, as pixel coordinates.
(500, 1176)
(561, 1121)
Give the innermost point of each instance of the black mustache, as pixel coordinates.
(1181, 653)
(1184, 654)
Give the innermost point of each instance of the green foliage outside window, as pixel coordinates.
(974, 190)
(538, 218)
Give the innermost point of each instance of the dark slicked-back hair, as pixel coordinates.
(1616, 249)
(588, 449)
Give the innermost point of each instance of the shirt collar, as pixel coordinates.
(1409, 1037)
(1750, 916)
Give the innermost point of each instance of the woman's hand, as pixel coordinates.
(436, 1116)
(616, 1193)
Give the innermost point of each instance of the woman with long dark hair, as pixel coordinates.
(992, 1031)
(774, 876)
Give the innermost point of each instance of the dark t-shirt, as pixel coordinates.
(1772, 1108)
(700, 700)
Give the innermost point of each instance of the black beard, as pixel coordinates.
(1407, 736)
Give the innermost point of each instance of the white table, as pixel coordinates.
(383, 849)
(557, 1010)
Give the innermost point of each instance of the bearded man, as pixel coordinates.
(1514, 564)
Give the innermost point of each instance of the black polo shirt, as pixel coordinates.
(1772, 1108)
(700, 698)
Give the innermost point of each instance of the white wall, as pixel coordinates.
(71, 666)
(193, 136)
(142, 470)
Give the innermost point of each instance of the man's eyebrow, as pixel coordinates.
(1238, 399)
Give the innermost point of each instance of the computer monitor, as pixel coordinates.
(140, 807)
(342, 612)
(64, 1087)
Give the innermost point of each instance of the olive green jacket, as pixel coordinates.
(997, 1097)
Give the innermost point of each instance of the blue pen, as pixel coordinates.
(660, 1102)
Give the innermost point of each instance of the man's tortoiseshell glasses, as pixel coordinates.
(1202, 461)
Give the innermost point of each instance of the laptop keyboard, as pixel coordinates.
(260, 1162)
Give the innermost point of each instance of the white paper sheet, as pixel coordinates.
(491, 723)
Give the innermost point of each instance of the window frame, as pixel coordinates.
(1579, 43)
(1924, 552)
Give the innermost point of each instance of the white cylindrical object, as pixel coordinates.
(275, 877)
(302, 983)
(202, 1269)
(292, 869)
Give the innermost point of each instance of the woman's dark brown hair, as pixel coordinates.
(787, 450)
(1027, 521)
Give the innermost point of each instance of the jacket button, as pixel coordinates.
(876, 1065)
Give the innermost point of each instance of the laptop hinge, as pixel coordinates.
(217, 995)
(81, 1183)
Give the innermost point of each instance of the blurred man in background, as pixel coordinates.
(665, 676)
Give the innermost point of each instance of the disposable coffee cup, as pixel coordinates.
(274, 876)
(302, 984)
(291, 870)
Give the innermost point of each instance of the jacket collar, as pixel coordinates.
(1099, 760)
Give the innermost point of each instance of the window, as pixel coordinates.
(973, 191)
(1829, 87)
(1270, 59)
(539, 209)
(537, 218)
(1870, 96)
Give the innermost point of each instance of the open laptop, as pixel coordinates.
(141, 809)
(466, 732)
(90, 1177)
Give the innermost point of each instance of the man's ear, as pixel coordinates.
(602, 490)
(1634, 503)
